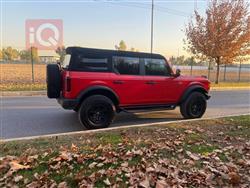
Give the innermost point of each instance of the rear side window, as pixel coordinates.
(92, 64)
(156, 67)
(126, 65)
(66, 61)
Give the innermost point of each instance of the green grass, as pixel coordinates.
(201, 148)
(109, 138)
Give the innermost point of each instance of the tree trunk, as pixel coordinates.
(218, 70)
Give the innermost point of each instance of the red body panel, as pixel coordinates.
(132, 90)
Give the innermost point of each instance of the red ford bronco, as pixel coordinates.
(99, 83)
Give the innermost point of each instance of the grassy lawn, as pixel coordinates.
(205, 153)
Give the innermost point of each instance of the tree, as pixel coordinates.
(61, 51)
(190, 61)
(132, 49)
(223, 34)
(1, 54)
(34, 54)
(177, 60)
(10, 54)
(25, 55)
(122, 46)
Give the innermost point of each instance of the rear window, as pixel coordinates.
(92, 64)
(66, 61)
(126, 65)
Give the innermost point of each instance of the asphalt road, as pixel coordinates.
(38, 115)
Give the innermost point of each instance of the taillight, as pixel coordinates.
(68, 84)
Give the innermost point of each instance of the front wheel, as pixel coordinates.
(96, 112)
(194, 106)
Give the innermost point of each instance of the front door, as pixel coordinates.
(158, 80)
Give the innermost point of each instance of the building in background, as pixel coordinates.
(48, 56)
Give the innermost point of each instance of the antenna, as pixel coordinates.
(152, 26)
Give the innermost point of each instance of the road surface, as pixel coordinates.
(38, 115)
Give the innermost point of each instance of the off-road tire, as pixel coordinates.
(96, 112)
(194, 106)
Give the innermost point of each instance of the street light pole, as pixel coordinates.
(152, 26)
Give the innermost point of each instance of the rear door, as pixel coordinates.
(127, 80)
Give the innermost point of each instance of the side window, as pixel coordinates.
(126, 65)
(156, 67)
(92, 64)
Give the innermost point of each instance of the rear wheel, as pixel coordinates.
(96, 112)
(194, 106)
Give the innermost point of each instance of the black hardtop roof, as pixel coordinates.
(104, 52)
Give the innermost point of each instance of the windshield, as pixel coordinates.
(65, 63)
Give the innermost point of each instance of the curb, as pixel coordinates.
(117, 128)
(229, 88)
(44, 92)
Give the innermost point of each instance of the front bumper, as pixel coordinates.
(68, 104)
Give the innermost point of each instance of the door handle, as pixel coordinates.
(151, 82)
(118, 82)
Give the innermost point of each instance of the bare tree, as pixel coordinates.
(223, 34)
(61, 51)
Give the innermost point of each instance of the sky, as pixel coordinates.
(103, 23)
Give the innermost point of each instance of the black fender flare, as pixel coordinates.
(191, 89)
(99, 89)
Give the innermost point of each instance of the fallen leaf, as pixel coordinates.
(107, 182)
(74, 148)
(99, 165)
(18, 178)
(33, 184)
(145, 183)
(161, 184)
(125, 164)
(92, 165)
(234, 178)
(193, 156)
(62, 185)
(15, 166)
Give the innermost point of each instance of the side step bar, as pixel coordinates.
(131, 109)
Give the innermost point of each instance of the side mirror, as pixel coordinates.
(177, 73)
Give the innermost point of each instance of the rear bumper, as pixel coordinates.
(68, 104)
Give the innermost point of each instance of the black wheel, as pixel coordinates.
(96, 112)
(53, 81)
(194, 106)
